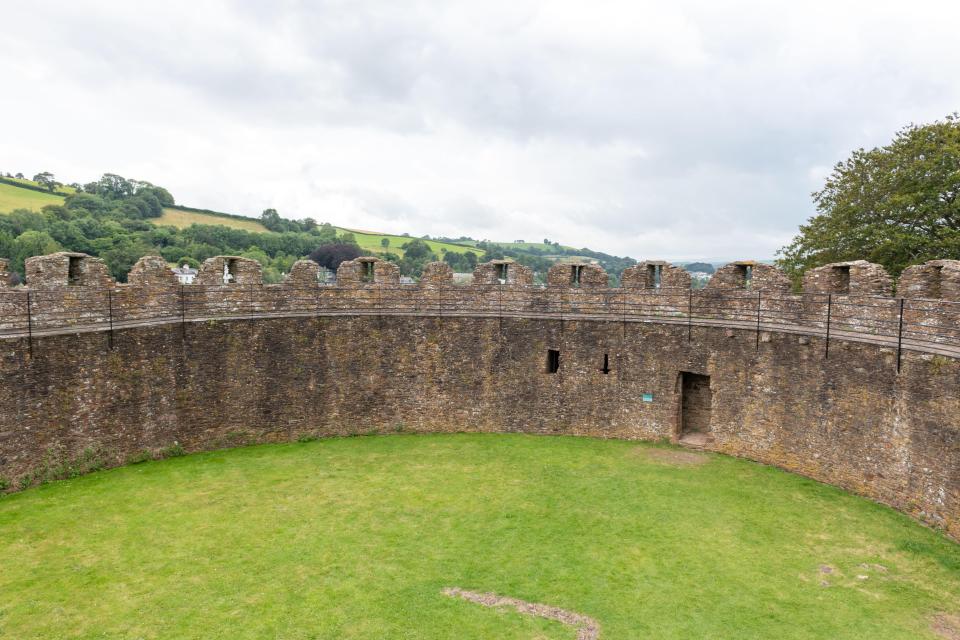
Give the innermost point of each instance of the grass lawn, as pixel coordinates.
(12, 197)
(356, 538)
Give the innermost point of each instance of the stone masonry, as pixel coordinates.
(936, 279)
(857, 277)
(579, 275)
(225, 377)
(752, 275)
(367, 270)
(644, 276)
(502, 272)
(66, 269)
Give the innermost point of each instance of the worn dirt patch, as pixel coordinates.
(946, 626)
(587, 628)
(671, 457)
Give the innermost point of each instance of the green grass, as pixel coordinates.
(355, 537)
(62, 190)
(12, 197)
(370, 242)
(173, 217)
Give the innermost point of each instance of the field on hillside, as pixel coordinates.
(372, 242)
(62, 190)
(180, 219)
(15, 198)
(369, 242)
(359, 537)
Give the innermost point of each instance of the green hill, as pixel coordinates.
(193, 233)
(12, 197)
(369, 241)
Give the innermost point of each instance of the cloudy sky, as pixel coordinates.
(662, 129)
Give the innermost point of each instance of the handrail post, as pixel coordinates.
(440, 299)
(826, 353)
(110, 315)
(29, 325)
(690, 314)
(758, 319)
(183, 314)
(900, 336)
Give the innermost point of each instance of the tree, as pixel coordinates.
(45, 180)
(896, 205)
(32, 243)
(385, 243)
(271, 220)
(331, 255)
(416, 254)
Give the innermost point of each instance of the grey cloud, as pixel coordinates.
(490, 121)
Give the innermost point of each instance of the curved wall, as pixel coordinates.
(849, 420)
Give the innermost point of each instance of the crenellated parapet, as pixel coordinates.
(935, 280)
(654, 275)
(856, 277)
(502, 272)
(67, 269)
(578, 275)
(303, 273)
(367, 270)
(4, 273)
(229, 270)
(152, 271)
(436, 274)
(750, 275)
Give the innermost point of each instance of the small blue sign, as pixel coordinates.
(648, 397)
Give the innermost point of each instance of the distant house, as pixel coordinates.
(185, 274)
(407, 280)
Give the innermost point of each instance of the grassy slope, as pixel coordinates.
(354, 538)
(368, 241)
(14, 198)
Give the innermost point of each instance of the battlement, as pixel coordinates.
(121, 368)
(70, 292)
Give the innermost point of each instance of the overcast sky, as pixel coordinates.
(656, 130)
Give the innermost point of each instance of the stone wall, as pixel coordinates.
(303, 273)
(502, 272)
(935, 279)
(66, 269)
(857, 277)
(578, 275)
(752, 275)
(643, 276)
(152, 271)
(230, 270)
(226, 383)
(367, 270)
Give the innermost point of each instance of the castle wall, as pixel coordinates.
(215, 384)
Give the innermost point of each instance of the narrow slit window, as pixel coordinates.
(502, 272)
(606, 363)
(553, 360)
(230, 272)
(575, 272)
(841, 282)
(654, 273)
(73, 270)
(367, 275)
(936, 283)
